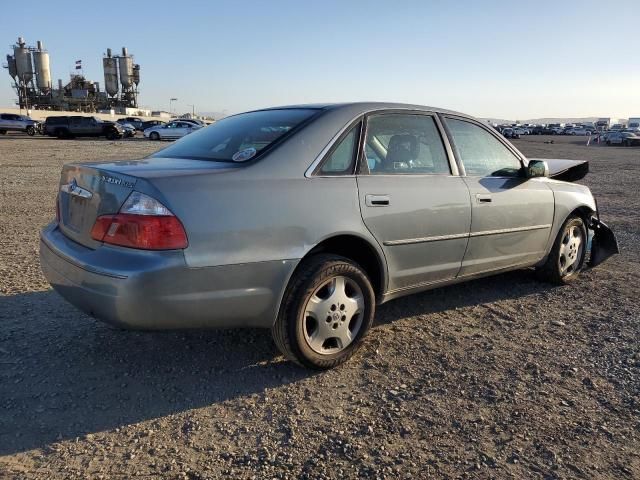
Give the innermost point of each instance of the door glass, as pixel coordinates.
(481, 153)
(405, 144)
(342, 158)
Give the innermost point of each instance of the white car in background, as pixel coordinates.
(580, 131)
(171, 130)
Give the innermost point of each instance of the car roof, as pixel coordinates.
(365, 107)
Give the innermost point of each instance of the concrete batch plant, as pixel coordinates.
(29, 68)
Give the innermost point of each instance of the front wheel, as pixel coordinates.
(154, 136)
(567, 257)
(326, 312)
(31, 131)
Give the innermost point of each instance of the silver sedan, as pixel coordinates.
(171, 131)
(303, 219)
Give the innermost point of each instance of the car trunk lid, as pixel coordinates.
(90, 190)
(87, 192)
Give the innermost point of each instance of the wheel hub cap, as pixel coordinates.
(333, 315)
(571, 249)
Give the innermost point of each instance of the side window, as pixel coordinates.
(481, 153)
(405, 144)
(342, 158)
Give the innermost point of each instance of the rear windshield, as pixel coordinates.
(239, 138)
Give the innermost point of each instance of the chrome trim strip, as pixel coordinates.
(509, 230)
(437, 238)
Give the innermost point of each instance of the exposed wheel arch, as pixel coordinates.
(360, 251)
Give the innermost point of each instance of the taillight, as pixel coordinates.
(142, 223)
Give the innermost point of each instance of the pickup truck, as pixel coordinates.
(78, 126)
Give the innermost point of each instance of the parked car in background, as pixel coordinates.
(580, 131)
(79, 126)
(510, 133)
(617, 126)
(151, 123)
(135, 121)
(195, 121)
(520, 131)
(11, 122)
(537, 130)
(303, 219)
(619, 137)
(128, 130)
(171, 131)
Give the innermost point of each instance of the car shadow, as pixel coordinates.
(64, 374)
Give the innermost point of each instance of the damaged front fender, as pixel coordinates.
(603, 243)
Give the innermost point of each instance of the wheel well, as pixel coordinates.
(585, 213)
(360, 251)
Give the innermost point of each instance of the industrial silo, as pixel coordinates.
(110, 65)
(43, 72)
(125, 62)
(11, 66)
(24, 68)
(136, 74)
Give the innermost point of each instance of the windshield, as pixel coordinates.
(240, 137)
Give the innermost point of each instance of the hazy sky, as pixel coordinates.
(511, 59)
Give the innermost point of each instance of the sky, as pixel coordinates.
(498, 59)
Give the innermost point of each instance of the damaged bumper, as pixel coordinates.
(603, 243)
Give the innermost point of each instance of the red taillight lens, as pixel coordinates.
(148, 232)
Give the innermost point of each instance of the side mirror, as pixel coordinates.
(537, 168)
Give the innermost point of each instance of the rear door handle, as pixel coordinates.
(482, 198)
(377, 200)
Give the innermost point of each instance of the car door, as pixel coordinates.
(511, 215)
(412, 199)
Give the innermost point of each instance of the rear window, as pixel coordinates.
(239, 138)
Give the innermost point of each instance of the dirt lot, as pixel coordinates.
(498, 378)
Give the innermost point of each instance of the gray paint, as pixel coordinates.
(248, 227)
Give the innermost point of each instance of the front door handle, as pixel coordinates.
(377, 200)
(483, 198)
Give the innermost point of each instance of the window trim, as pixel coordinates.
(519, 156)
(333, 146)
(363, 167)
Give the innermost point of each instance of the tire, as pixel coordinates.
(312, 310)
(111, 134)
(154, 136)
(567, 258)
(31, 131)
(3, 132)
(62, 133)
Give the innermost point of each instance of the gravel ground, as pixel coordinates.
(498, 378)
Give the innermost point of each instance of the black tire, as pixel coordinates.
(154, 136)
(3, 132)
(31, 131)
(111, 134)
(291, 329)
(552, 270)
(62, 133)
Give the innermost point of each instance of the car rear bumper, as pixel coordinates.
(156, 290)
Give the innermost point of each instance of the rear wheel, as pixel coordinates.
(326, 312)
(567, 257)
(62, 133)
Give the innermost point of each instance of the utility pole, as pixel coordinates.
(193, 110)
(171, 100)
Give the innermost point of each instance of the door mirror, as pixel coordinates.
(537, 168)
